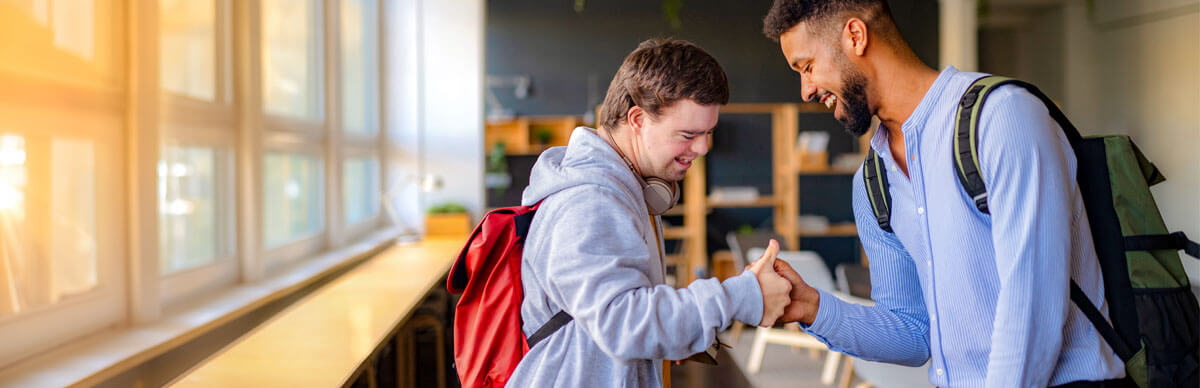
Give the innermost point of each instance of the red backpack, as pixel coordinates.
(488, 341)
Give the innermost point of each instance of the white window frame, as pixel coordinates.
(192, 122)
(303, 136)
(96, 114)
(353, 144)
(130, 119)
(304, 246)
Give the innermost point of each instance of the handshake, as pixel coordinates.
(786, 297)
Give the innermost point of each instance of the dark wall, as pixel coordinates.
(572, 57)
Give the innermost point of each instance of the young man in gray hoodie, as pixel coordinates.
(595, 247)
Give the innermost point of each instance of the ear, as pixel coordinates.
(635, 117)
(855, 36)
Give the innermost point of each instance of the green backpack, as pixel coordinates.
(1155, 325)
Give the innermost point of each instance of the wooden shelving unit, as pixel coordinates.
(785, 196)
(519, 134)
(788, 167)
(847, 229)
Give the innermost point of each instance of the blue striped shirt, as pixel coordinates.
(985, 296)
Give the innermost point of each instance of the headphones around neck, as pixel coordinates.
(659, 194)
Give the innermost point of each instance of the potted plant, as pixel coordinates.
(542, 135)
(447, 219)
(496, 176)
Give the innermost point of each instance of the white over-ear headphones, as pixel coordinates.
(659, 194)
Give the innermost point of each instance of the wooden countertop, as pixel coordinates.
(322, 340)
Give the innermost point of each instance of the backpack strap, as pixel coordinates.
(556, 322)
(1174, 241)
(875, 180)
(1105, 329)
(966, 130)
(521, 224)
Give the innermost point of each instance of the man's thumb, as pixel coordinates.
(771, 253)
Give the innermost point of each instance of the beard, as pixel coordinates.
(854, 100)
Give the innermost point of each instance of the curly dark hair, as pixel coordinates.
(785, 14)
(657, 74)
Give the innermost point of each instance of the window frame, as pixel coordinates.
(348, 144)
(24, 106)
(131, 119)
(191, 122)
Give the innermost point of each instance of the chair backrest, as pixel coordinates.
(854, 279)
(741, 243)
(808, 264)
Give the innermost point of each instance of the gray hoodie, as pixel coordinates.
(592, 250)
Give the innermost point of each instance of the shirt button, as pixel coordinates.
(921, 210)
(933, 317)
(940, 372)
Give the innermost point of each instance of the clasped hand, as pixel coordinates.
(786, 297)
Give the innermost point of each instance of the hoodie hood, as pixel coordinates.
(586, 160)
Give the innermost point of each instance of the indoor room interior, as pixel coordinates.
(223, 193)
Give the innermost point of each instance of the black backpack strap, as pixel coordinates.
(875, 180)
(966, 130)
(1106, 329)
(556, 322)
(1174, 241)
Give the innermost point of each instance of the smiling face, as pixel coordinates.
(665, 145)
(827, 76)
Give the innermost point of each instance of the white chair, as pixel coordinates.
(812, 268)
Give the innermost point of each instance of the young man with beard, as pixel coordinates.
(594, 250)
(984, 298)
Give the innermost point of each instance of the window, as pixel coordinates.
(47, 244)
(69, 41)
(360, 66)
(360, 145)
(243, 173)
(191, 220)
(188, 48)
(195, 185)
(292, 199)
(61, 215)
(360, 189)
(292, 58)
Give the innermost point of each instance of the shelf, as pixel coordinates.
(846, 229)
(826, 171)
(769, 108)
(519, 134)
(767, 201)
(675, 233)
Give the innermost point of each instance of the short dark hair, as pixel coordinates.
(785, 14)
(657, 74)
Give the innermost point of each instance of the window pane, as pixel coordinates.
(360, 66)
(291, 58)
(189, 203)
(360, 188)
(292, 200)
(47, 221)
(187, 47)
(63, 40)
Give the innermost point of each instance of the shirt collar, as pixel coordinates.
(916, 121)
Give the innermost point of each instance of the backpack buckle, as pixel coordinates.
(981, 202)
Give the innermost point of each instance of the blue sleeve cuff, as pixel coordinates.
(746, 297)
(829, 314)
